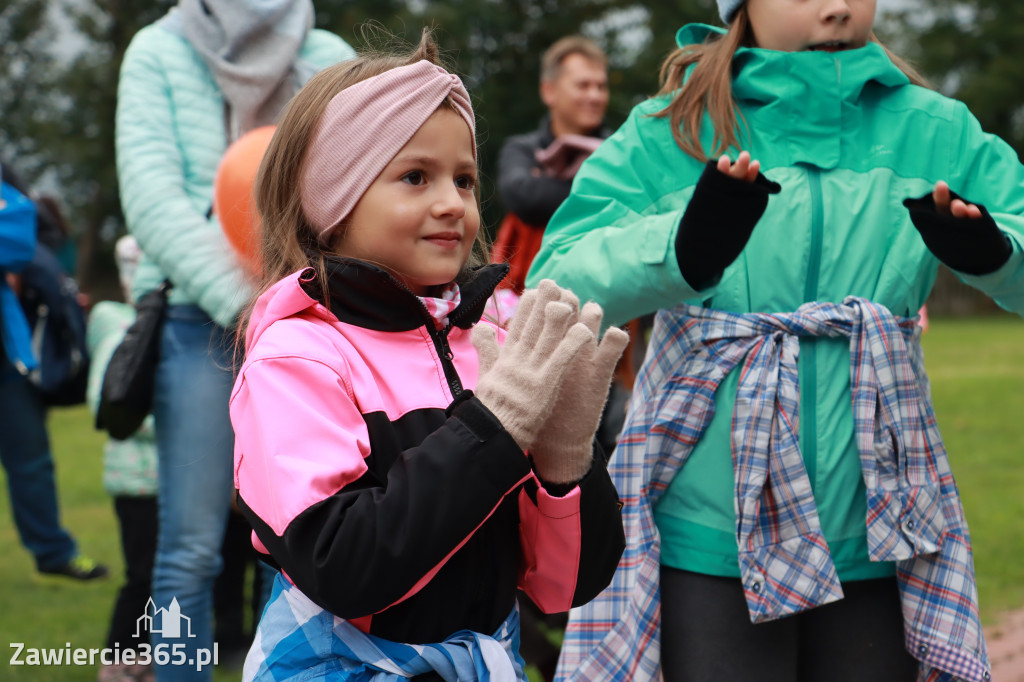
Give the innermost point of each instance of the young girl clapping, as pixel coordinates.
(406, 482)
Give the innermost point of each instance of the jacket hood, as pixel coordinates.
(806, 97)
(757, 72)
(284, 299)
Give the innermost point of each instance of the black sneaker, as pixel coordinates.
(80, 568)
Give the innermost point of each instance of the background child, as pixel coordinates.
(753, 490)
(397, 501)
(129, 475)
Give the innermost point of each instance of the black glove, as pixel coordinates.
(974, 246)
(718, 222)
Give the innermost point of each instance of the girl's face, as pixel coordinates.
(419, 218)
(795, 25)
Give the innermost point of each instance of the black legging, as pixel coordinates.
(706, 634)
(138, 519)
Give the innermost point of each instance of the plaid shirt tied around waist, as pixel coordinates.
(914, 515)
(297, 640)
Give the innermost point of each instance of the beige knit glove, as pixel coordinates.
(519, 380)
(564, 447)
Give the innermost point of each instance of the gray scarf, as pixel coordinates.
(251, 47)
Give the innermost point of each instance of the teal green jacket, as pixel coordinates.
(848, 138)
(130, 465)
(169, 140)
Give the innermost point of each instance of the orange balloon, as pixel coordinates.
(232, 193)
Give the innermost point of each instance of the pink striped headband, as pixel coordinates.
(363, 127)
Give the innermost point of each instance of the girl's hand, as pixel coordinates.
(744, 168)
(520, 380)
(563, 450)
(958, 208)
(727, 202)
(960, 234)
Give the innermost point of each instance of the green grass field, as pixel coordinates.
(977, 372)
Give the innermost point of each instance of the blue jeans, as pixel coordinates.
(25, 454)
(195, 443)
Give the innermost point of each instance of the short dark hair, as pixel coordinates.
(551, 61)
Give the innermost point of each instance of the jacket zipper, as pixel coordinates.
(808, 346)
(444, 352)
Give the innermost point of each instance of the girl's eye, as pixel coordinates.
(414, 178)
(465, 182)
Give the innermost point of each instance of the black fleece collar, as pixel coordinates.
(547, 137)
(370, 297)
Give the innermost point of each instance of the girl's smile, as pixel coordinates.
(445, 240)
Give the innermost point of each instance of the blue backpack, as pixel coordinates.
(57, 325)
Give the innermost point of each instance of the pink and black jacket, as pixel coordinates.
(387, 492)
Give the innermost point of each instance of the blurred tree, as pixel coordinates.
(57, 101)
(26, 79)
(496, 46)
(62, 120)
(971, 50)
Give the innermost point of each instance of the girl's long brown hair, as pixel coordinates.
(288, 241)
(709, 88)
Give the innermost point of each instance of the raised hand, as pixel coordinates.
(957, 207)
(564, 447)
(519, 380)
(744, 169)
(959, 233)
(727, 202)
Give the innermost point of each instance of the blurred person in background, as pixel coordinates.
(191, 83)
(535, 169)
(24, 442)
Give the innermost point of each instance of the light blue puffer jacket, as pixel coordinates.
(170, 137)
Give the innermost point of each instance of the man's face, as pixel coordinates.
(578, 97)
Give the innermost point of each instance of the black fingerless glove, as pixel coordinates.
(718, 222)
(974, 246)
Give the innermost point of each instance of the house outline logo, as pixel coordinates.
(170, 621)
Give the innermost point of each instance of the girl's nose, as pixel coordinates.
(837, 11)
(449, 202)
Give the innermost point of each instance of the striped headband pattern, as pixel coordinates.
(363, 127)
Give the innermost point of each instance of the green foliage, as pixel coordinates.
(496, 47)
(977, 377)
(26, 75)
(970, 50)
(58, 113)
(59, 125)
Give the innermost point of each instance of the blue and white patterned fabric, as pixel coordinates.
(914, 513)
(298, 640)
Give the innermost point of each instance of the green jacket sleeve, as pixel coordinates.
(108, 322)
(612, 241)
(986, 170)
(169, 136)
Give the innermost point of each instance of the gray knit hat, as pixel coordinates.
(727, 8)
